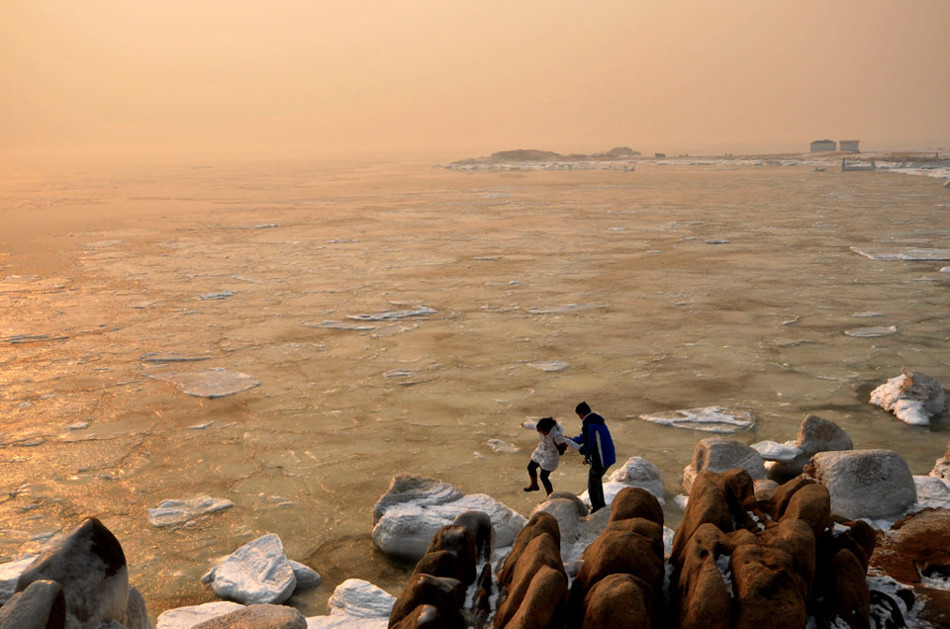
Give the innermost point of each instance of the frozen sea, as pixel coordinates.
(289, 336)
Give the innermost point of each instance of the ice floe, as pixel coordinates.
(567, 308)
(904, 253)
(173, 512)
(210, 383)
(170, 357)
(341, 325)
(872, 332)
(773, 451)
(550, 365)
(224, 294)
(258, 572)
(713, 419)
(418, 311)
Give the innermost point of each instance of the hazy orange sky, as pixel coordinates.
(466, 78)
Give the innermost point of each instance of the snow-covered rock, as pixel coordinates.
(719, 454)
(815, 434)
(356, 604)
(869, 484)
(636, 472)
(258, 572)
(188, 617)
(914, 398)
(9, 573)
(414, 508)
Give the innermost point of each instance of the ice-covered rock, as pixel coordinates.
(719, 454)
(356, 604)
(815, 434)
(9, 573)
(188, 617)
(306, 576)
(932, 492)
(869, 484)
(258, 572)
(713, 419)
(913, 397)
(210, 383)
(942, 467)
(414, 508)
(773, 451)
(636, 472)
(89, 565)
(171, 512)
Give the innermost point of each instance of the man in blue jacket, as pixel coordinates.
(598, 449)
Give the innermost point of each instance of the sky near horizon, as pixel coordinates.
(469, 78)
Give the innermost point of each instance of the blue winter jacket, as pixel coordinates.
(595, 442)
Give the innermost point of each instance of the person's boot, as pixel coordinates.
(533, 486)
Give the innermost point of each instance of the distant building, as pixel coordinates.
(851, 146)
(823, 145)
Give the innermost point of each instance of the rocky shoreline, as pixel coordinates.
(762, 543)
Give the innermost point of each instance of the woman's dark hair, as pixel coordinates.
(546, 424)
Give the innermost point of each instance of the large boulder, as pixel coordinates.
(40, 606)
(89, 565)
(414, 508)
(872, 484)
(543, 602)
(815, 435)
(257, 617)
(768, 591)
(191, 615)
(916, 552)
(719, 454)
(355, 604)
(636, 472)
(913, 397)
(256, 573)
(441, 593)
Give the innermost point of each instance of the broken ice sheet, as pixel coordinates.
(170, 357)
(550, 365)
(904, 253)
(210, 383)
(713, 419)
(418, 311)
(172, 512)
(872, 332)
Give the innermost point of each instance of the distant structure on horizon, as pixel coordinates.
(847, 146)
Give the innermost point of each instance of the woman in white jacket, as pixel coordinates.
(548, 453)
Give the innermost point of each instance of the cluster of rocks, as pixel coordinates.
(768, 537)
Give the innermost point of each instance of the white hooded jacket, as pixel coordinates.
(546, 454)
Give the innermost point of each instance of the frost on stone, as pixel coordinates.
(774, 451)
(210, 383)
(713, 419)
(172, 512)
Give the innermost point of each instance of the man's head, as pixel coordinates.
(582, 410)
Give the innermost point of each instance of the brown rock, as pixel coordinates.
(769, 593)
(841, 588)
(540, 523)
(425, 589)
(701, 595)
(795, 537)
(422, 617)
(636, 502)
(625, 551)
(257, 617)
(479, 523)
(618, 601)
(718, 499)
(542, 606)
(460, 541)
(541, 551)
